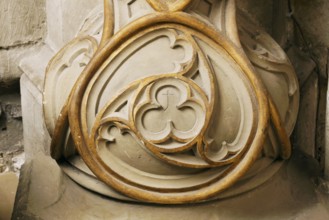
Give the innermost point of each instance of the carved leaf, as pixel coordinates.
(62, 73)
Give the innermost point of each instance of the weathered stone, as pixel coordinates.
(34, 65)
(282, 26)
(36, 138)
(302, 63)
(11, 161)
(321, 122)
(74, 12)
(22, 26)
(8, 183)
(21, 22)
(13, 110)
(6, 161)
(2, 119)
(259, 11)
(11, 128)
(313, 20)
(326, 148)
(9, 71)
(40, 186)
(11, 136)
(305, 130)
(64, 19)
(2, 166)
(45, 193)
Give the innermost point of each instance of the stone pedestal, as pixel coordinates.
(46, 193)
(8, 183)
(36, 137)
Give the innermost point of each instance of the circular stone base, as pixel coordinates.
(84, 177)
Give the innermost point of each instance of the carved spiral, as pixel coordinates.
(179, 132)
(141, 97)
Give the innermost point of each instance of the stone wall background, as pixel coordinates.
(300, 26)
(23, 25)
(22, 28)
(64, 18)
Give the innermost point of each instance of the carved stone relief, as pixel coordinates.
(176, 103)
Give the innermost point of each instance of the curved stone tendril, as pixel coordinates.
(281, 132)
(89, 154)
(131, 123)
(203, 145)
(108, 27)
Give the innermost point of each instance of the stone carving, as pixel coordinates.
(172, 107)
(170, 6)
(62, 73)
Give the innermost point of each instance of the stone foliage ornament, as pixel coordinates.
(179, 101)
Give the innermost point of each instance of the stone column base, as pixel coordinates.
(45, 192)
